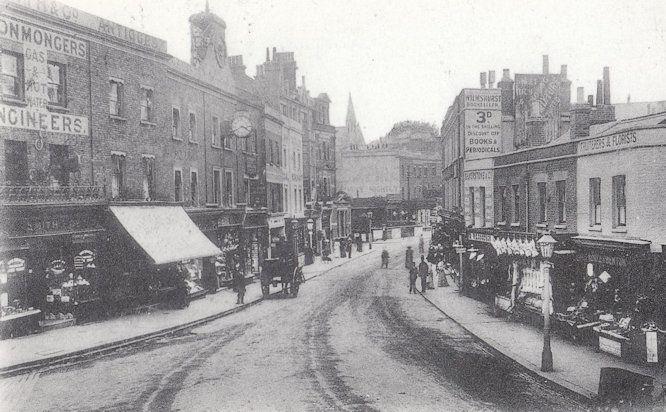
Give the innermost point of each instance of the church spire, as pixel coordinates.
(353, 129)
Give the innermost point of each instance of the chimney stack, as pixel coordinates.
(482, 79)
(545, 64)
(268, 54)
(600, 93)
(606, 81)
(580, 121)
(506, 86)
(590, 99)
(563, 70)
(274, 52)
(303, 82)
(491, 79)
(580, 95)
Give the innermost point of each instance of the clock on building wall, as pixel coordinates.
(241, 126)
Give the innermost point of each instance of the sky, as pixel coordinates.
(407, 60)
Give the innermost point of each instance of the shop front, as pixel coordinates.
(482, 271)
(224, 229)
(49, 268)
(618, 297)
(275, 232)
(255, 241)
(160, 257)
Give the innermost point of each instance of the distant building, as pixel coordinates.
(630, 109)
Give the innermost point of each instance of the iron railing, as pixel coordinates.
(50, 194)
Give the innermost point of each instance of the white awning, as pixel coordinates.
(165, 233)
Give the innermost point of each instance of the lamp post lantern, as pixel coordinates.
(546, 245)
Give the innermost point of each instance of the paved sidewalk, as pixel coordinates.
(577, 367)
(79, 341)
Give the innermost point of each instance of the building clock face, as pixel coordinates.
(241, 126)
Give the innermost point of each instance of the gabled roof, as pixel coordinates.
(642, 122)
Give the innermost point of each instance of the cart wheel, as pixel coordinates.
(265, 290)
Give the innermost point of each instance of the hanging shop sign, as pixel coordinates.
(480, 237)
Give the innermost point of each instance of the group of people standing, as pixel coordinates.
(415, 272)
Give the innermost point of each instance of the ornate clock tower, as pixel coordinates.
(208, 42)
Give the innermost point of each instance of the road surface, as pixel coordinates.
(354, 339)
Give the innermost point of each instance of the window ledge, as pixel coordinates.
(214, 146)
(228, 149)
(501, 223)
(515, 224)
(192, 141)
(179, 139)
(561, 227)
(116, 117)
(619, 229)
(147, 123)
(14, 102)
(595, 228)
(542, 225)
(57, 108)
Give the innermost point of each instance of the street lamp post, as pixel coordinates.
(310, 226)
(460, 250)
(546, 245)
(370, 230)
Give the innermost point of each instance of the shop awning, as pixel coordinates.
(165, 233)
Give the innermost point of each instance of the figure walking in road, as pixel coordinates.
(239, 283)
(423, 273)
(409, 257)
(421, 245)
(413, 275)
(385, 258)
(350, 242)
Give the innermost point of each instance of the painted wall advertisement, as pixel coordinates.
(41, 80)
(482, 122)
(538, 107)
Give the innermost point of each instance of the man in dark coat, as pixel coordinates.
(239, 284)
(423, 273)
(385, 258)
(409, 257)
(413, 275)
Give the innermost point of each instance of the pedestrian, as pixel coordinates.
(421, 245)
(409, 257)
(413, 275)
(239, 283)
(423, 273)
(349, 247)
(385, 258)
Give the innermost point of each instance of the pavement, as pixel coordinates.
(576, 366)
(27, 353)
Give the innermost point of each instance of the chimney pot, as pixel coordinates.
(600, 93)
(268, 54)
(606, 85)
(482, 79)
(563, 70)
(274, 52)
(545, 63)
(491, 79)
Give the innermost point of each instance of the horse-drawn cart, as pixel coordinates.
(287, 272)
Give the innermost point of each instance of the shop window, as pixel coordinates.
(472, 212)
(502, 203)
(619, 201)
(175, 123)
(115, 97)
(595, 201)
(216, 132)
(117, 175)
(178, 185)
(516, 203)
(59, 164)
(561, 189)
(541, 190)
(148, 182)
(146, 104)
(16, 162)
(192, 132)
(13, 287)
(194, 187)
(56, 84)
(228, 188)
(11, 71)
(217, 184)
(482, 205)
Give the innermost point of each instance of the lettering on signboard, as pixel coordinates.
(612, 142)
